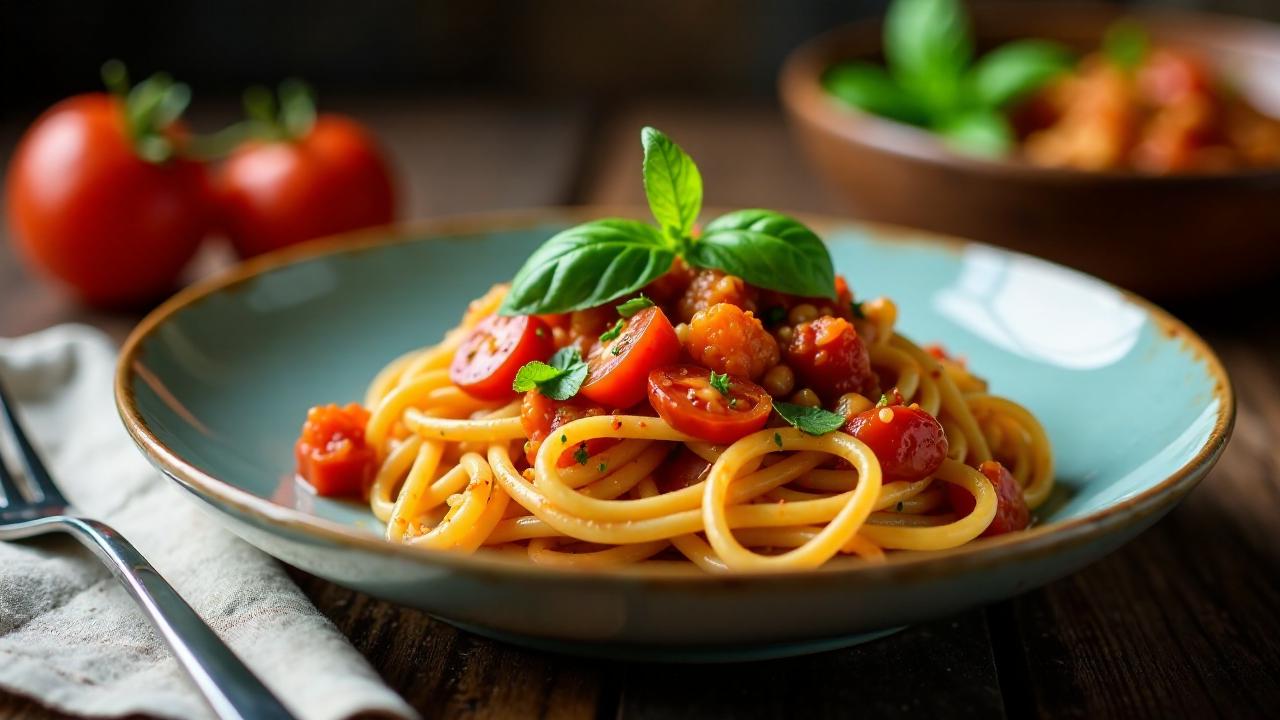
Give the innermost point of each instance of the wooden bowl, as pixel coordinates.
(1160, 235)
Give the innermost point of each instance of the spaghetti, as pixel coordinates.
(690, 415)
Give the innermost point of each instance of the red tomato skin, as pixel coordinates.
(85, 210)
(540, 416)
(619, 381)
(910, 446)
(331, 452)
(1012, 512)
(829, 357)
(515, 341)
(673, 406)
(277, 193)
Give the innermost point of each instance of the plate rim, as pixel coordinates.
(1037, 541)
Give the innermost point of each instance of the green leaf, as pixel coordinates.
(981, 132)
(868, 87)
(587, 266)
(559, 380)
(634, 305)
(768, 250)
(1125, 43)
(928, 44)
(1015, 70)
(810, 420)
(720, 382)
(613, 332)
(671, 183)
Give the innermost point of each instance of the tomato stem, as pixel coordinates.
(287, 115)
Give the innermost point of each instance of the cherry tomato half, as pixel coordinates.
(330, 180)
(618, 368)
(487, 361)
(908, 442)
(87, 210)
(331, 453)
(1012, 512)
(540, 416)
(684, 397)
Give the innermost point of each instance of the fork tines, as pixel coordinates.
(37, 474)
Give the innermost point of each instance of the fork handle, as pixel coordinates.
(231, 689)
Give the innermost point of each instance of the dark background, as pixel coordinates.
(548, 48)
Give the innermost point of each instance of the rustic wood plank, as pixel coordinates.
(880, 679)
(1183, 621)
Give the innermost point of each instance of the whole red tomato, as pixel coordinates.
(86, 209)
(329, 179)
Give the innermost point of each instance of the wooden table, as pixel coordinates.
(1183, 621)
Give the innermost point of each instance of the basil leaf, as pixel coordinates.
(1125, 43)
(671, 183)
(928, 45)
(868, 87)
(587, 266)
(810, 420)
(981, 132)
(768, 250)
(559, 380)
(1014, 70)
(634, 305)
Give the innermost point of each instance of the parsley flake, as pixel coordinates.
(634, 305)
(777, 439)
(883, 402)
(810, 420)
(602, 467)
(613, 332)
(559, 380)
(720, 382)
(581, 454)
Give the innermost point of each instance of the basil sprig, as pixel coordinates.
(932, 81)
(591, 264)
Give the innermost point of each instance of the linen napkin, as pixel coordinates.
(69, 635)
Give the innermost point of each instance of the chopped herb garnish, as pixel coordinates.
(564, 439)
(604, 467)
(613, 332)
(634, 305)
(720, 382)
(883, 401)
(581, 454)
(616, 349)
(559, 380)
(810, 420)
(777, 439)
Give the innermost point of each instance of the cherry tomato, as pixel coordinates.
(85, 209)
(540, 416)
(829, 358)
(331, 453)
(331, 179)
(618, 368)
(908, 442)
(1011, 507)
(684, 397)
(488, 359)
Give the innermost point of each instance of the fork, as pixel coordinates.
(230, 688)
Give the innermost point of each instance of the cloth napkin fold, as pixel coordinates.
(69, 635)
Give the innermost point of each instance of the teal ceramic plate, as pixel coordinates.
(214, 384)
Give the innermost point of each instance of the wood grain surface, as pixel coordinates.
(1184, 621)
